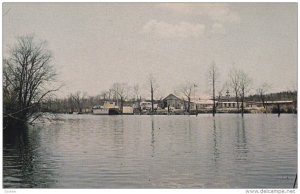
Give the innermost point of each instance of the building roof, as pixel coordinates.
(204, 101)
(279, 102)
(171, 97)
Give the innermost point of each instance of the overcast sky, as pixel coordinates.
(97, 44)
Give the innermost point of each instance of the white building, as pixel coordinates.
(202, 104)
(229, 104)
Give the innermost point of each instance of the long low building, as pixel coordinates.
(230, 104)
(198, 103)
(286, 102)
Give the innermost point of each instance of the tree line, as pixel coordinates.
(29, 81)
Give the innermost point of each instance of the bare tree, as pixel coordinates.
(70, 104)
(137, 96)
(244, 82)
(220, 92)
(212, 80)
(262, 91)
(136, 90)
(104, 95)
(28, 75)
(119, 90)
(234, 83)
(128, 92)
(186, 91)
(78, 99)
(110, 94)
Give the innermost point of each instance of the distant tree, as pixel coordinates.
(262, 91)
(186, 91)
(240, 83)
(212, 81)
(234, 83)
(220, 92)
(28, 77)
(110, 94)
(244, 82)
(78, 99)
(137, 96)
(128, 92)
(65, 105)
(136, 90)
(104, 95)
(91, 101)
(119, 90)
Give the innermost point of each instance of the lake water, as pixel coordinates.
(89, 151)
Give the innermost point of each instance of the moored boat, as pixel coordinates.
(108, 108)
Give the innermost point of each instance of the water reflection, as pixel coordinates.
(117, 124)
(22, 158)
(152, 136)
(216, 152)
(86, 151)
(241, 147)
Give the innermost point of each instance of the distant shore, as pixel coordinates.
(196, 112)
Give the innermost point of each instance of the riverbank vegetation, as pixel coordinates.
(28, 75)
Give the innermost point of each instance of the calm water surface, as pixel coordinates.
(89, 151)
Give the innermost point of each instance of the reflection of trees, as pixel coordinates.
(189, 129)
(152, 136)
(215, 142)
(241, 147)
(23, 164)
(118, 127)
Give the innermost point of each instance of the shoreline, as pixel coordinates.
(172, 113)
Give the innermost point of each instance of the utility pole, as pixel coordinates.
(214, 97)
(152, 101)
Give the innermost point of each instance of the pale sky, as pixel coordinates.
(97, 44)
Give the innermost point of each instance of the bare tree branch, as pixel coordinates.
(212, 80)
(186, 90)
(28, 73)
